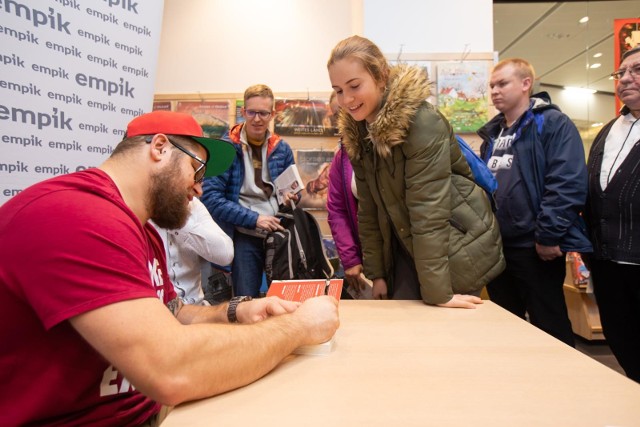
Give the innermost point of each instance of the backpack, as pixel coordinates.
(297, 252)
(482, 175)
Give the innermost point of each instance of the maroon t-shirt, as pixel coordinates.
(69, 245)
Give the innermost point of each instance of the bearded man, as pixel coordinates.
(94, 333)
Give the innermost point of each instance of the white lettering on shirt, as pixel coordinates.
(109, 384)
(500, 159)
(125, 386)
(156, 278)
(496, 163)
(106, 388)
(503, 142)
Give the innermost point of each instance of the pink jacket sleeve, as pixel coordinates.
(342, 211)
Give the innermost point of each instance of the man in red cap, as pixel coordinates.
(88, 338)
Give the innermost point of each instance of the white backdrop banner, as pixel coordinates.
(73, 73)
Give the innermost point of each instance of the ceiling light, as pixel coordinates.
(584, 20)
(580, 90)
(596, 65)
(597, 55)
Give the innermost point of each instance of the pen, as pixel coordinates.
(327, 283)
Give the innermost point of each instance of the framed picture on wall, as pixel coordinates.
(213, 116)
(426, 66)
(239, 105)
(162, 106)
(304, 117)
(313, 166)
(462, 90)
(626, 36)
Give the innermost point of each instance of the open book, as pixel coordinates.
(300, 290)
(288, 181)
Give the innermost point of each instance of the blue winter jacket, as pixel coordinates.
(550, 157)
(222, 193)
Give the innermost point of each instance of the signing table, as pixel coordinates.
(403, 363)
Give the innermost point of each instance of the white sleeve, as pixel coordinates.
(202, 235)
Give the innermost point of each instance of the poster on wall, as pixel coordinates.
(626, 37)
(304, 117)
(313, 166)
(426, 67)
(161, 106)
(239, 105)
(213, 116)
(462, 92)
(72, 78)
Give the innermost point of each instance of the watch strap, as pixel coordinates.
(233, 306)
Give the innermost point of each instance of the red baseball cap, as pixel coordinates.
(220, 153)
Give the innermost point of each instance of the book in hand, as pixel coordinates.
(300, 290)
(364, 293)
(288, 181)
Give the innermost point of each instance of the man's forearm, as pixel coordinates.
(191, 314)
(172, 363)
(230, 356)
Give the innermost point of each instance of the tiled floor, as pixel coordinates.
(600, 351)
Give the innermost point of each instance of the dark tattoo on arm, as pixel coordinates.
(174, 306)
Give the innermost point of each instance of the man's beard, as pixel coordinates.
(166, 200)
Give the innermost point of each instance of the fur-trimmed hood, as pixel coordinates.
(407, 89)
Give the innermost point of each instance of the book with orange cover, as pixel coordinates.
(300, 290)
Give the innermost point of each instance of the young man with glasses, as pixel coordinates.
(94, 333)
(242, 200)
(536, 154)
(613, 216)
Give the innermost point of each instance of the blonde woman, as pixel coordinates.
(427, 230)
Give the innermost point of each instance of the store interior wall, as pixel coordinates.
(433, 26)
(223, 46)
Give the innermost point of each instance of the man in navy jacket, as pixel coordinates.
(536, 154)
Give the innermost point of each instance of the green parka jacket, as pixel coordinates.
(411, 175)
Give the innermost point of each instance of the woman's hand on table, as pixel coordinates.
(462, 301)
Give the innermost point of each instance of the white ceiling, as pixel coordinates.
(561, 49)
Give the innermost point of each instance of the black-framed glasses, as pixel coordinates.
(261, 113)
(198, 176)
(633, 72)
